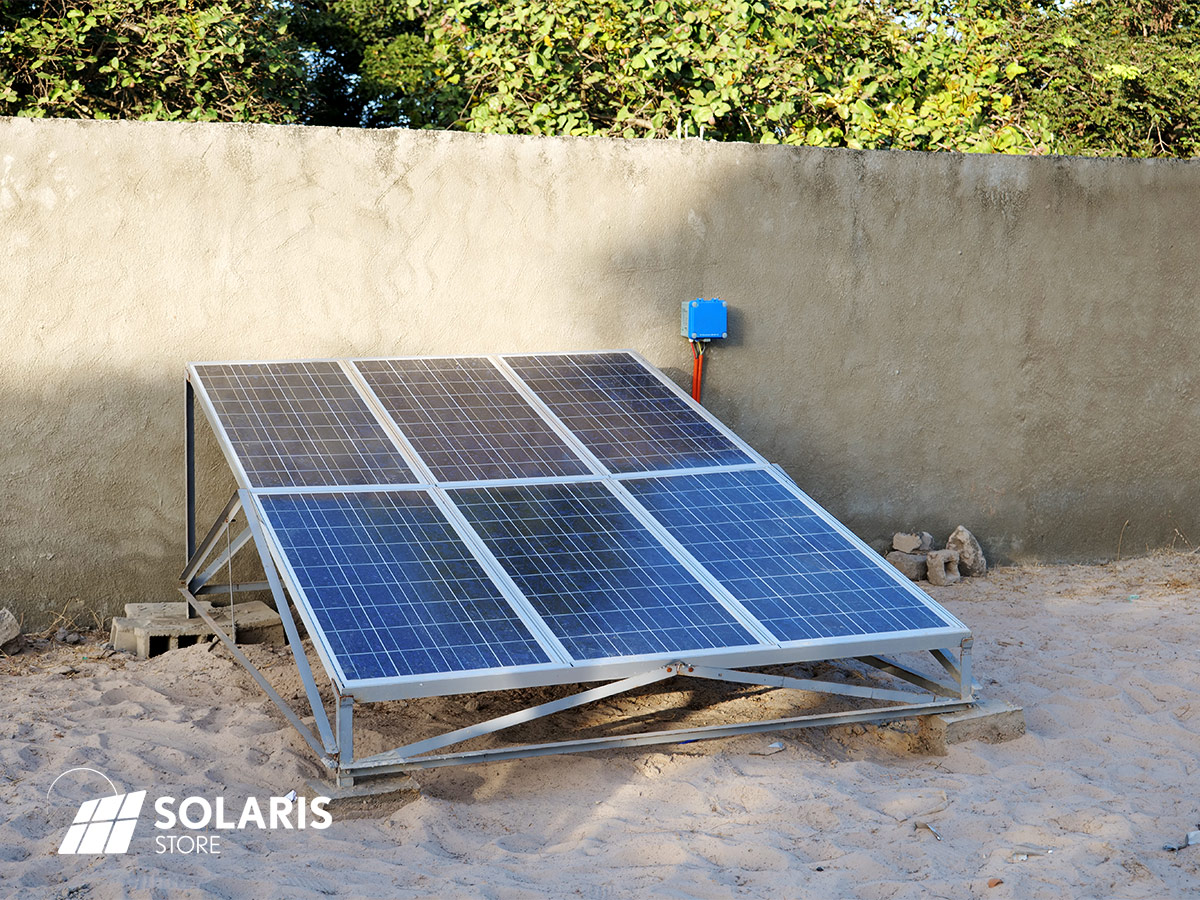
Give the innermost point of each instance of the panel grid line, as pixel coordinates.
(623, 414)
(598, 577)
(792, 571)
(393, 588)
(466, 421)
(301, 423)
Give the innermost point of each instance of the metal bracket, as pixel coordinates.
(421, 755)
(192, 585)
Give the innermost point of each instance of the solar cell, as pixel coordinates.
(394, 590)
(788, 566)
(467, 421)
(301, 423)
(624, 414)
(602, 582)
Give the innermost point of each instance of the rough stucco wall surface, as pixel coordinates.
(921, 340)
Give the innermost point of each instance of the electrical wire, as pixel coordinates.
(697, 367)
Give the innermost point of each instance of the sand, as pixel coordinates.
(1102, 658)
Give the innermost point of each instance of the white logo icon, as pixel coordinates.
(104, 825)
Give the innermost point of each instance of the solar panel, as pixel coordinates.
(787, 564)
(624, 414)
(393, 589)
(301, 423)
(467, 421)
(603, 583)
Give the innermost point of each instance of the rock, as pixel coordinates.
(926, 542)
(906, 542)
(942, 567)
(970, 555)
(61, 634)
(911, 565)
(73, 638)
(10, 628)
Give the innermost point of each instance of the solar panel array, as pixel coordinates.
(462, 515)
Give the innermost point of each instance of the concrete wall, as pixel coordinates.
(922, 340)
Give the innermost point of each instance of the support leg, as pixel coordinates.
(344, 726)
(190, 470)
(966, 691)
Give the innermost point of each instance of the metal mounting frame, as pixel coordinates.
(332, 737)
(333, 741)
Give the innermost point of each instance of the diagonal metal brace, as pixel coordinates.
(221, 558)
(805, 684)
(911, 676)
(241, 657)
(390, 762)
(205, 547)
(289, 625)
(519, 717)
(947, 662)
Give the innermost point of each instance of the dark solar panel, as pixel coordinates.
(301, 423)
(789, 567)
(467, 421)
(393, 588)
(602, 582)
(625, 415)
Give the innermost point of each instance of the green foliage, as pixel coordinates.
(1088, 77)
(230, 60)
(1113, 77)
(823, 72)
(371, 64)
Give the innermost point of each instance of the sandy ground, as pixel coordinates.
(1103, 659)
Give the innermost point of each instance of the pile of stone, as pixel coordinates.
(914, 555)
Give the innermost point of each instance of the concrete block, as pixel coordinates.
(911, 564)
(121, 635)
(159, 627)
(161, 610)
(971, 561)
(942, 567)
(991, 721)
(370, 798)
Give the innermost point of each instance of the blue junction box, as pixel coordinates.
(703, 320)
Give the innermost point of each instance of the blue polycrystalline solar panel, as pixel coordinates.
(467, 421)
(601, 581)
(624, 414)
(393, 588)
(301, 423)
(789, 567)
